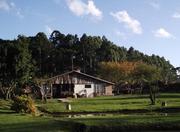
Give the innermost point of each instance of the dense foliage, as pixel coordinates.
(131, 72)
(23, 104)
(24, 58)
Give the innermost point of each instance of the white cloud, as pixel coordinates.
(48, 29)
(162, 33)
(176, 15)
(77, 7)
(10, 6)
(93, 10)
(131, 23)
(155, 5)
(16, 10)
(4, 5)
(80, 8)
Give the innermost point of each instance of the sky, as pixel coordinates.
(150, 26)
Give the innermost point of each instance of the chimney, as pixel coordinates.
(78, 70)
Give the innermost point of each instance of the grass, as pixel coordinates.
(115, 103)
(126, 119)
(27, 123)
(10, 121)
(98, 104)
(131, 122)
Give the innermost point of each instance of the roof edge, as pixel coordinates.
(84, 74)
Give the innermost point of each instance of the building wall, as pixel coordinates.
(99, 89)
(80, 89)
(109, 90)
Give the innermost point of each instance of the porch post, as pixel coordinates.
(51, 87)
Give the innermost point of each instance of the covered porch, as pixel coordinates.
(62, 90)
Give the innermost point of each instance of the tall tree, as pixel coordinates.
(89, 47)
(40, 49)
(24, 67)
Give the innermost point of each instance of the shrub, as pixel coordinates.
(23, 104)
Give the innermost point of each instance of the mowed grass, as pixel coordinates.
(131, 122)
(113, 103)
(10, 121)
(28, 123)
(14, 122)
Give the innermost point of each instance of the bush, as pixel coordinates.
(23, 104)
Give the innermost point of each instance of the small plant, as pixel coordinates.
(23, 104)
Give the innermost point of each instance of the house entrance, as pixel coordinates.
(63, 90)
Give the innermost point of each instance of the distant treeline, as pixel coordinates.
(38, 56)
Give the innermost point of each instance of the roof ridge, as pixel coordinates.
(94, 77)
(69, 72)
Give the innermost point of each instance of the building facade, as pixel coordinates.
(77, 84)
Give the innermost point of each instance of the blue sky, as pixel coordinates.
(151, 26)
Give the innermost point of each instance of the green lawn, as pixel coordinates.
(115, 103)
(28, 123)
(13, 122)
(151, 120)
(131, 122)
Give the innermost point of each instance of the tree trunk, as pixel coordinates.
(6, 92)
(7, 95)
(152, 96)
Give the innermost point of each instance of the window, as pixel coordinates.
(87, 86)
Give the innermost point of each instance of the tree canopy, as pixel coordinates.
(38, 56)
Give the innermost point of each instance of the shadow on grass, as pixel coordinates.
(43, 126)
(168, 110)
(122, 111)
(126, 125)
(169, 96)
(106, 125)
(135, 128)
(7, 112)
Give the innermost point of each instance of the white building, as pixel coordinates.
(77, 84)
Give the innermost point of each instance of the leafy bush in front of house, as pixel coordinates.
(23, 104)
